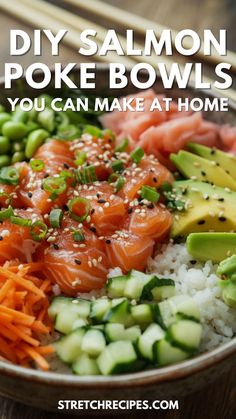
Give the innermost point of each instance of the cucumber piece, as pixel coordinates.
(185, 334)
(79, 306)
(84, 365)
(146, 341)
(57, 304)
(166, 354)
(93, 342)
(134, 284)
(158, 289)
(142, 314)
(179, 306)
(117, 331)
(68, 348)
(118, 357)
(67, 320)
(99, 308)
(115, 286)
(120, 313)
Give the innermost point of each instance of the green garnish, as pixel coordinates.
(81, 158)
(6, 213)
(24, 222)
(55, 185)
(37, 165)
(38, 230)
(149, 193)
(87, 175)
(79, 208)
(137, 155)
(119, 183)
(117, 166)
(55, 218)
(122, 146)
(9, 175)
(92, 130)
(78, 236)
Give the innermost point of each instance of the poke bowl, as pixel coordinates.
(160, 284)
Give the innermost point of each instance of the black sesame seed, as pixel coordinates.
(101, 201)
(66, 166)
(221, 199)
(213, 151)
(93, 229)
(56, 247)
(78, 262)
(217, 164)
(1, 238)
(150, 206)
(193, 262)
(154, 179)
(65, 207)
(227, 171)
(46, 175)
(222, 219)
(98, 195)
(203, 173)
(200, 222)
(108, 241)
(129, 210)
(92, 211)
(30, 194)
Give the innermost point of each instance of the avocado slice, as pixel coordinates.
(207, 208)
(226, 161)
(198, 168)
(211, 246)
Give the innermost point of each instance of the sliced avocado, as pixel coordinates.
(229, 294)
(198, 168)
(211, 246)
(226, 161)
(227, 268)
(207, 208)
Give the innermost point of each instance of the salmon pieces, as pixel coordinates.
(80, 208)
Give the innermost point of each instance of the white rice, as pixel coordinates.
(200, 282)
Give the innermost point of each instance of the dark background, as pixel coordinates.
(218, 400)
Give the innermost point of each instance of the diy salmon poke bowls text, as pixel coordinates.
(117, 238)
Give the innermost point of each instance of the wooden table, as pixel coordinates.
(219, 400)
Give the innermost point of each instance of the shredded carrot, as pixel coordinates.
(24, 314)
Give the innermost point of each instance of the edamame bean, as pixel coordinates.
(18, 146)
(19, 115)
(35, 140)
(68, 133)
(4, 145)
(4, 117)
(2, 108)
(62, 120)
(47, 120)
(5, 160)
(17, 157)
(14, 130)
(31, 126)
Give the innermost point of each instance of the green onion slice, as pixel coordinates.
(79, 208)
(87, 175)
(119, 183)
(78, 236)
(92, 130)
(149, 193)
(37, 165)
(6, 213)
(9, 175)
(113, 177)
(55, 185)
(38, 230)
(137, 155)
(122, 146)
(55, 218)
(81, 158)
(5, 199)
(24, 222)
(117, 166)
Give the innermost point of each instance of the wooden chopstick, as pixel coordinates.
(140, 24)
(24, 11)
(38, 12)
(77, 23)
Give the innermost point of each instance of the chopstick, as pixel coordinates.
(24, 11)
(140, 25)
(42, 14)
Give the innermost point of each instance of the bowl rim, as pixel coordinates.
(143, 378)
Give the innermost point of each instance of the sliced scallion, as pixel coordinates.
(37, 165)
(122, 146)
(78, 236)
(79, 208)
(81, 158)
(137, 155)
(55, 218)
(87, 175)
(38, 230)
(92, 130)
(24, 222)
(119, 183)
(6, 213)
(55, 185)
(149, 193)
(117, 166)
(9, 175)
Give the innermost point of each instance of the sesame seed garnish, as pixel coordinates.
(78, 262)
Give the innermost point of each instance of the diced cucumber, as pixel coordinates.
(115, 286)
(99, 308)
(117, 357)
(134, 285)
(142, 314)
(57, 304)
(85, 365)
(68, 348)
(117, 331)
(176, 307)
(185, 334)
(146, 341)
(158, 289)
(93, 342)
(67, 320)
(81, 307)
(166, 354)
(120, 313)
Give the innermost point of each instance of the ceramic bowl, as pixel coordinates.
(43, 390)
